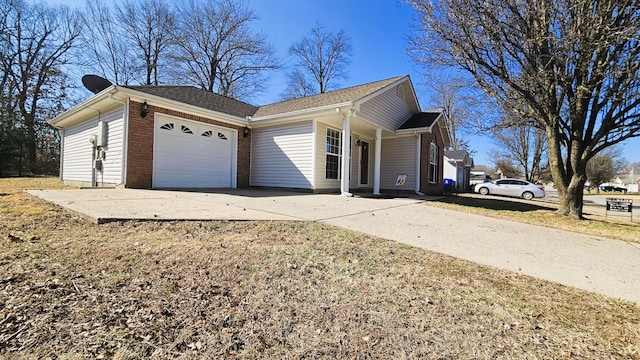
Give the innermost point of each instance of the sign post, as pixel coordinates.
(620, 205)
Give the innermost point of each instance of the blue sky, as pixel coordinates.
(378, 31)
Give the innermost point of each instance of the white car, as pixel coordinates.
(511, 187)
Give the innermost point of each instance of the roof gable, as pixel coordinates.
(342, 96)
(201, 98)
(459, 155)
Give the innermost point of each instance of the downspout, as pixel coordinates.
(94, 180)
(418, 160)
(60, 177)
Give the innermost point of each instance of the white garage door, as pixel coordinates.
(189, 154)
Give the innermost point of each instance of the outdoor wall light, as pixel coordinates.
(245, 132)
(145, 109)
(359, 142)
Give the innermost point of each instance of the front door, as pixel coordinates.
(364, 163)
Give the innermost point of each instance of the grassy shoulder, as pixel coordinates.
(544, 213)
(165, 290)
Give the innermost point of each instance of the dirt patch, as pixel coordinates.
(135, 290)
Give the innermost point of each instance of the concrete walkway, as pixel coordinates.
(600, 265)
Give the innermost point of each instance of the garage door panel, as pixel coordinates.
(190, 155)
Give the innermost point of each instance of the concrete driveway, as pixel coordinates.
(600, 265)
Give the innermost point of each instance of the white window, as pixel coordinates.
(333, 152)
(433, 163)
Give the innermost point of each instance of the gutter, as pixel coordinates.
(300, 112)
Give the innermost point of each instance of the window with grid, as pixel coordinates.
(433, 163)
(333, 152)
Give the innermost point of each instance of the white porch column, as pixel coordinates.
(418, 160)
(376, 168)
(346, 155)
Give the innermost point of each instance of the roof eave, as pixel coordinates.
(88, 105)
(414, 130)
(444, 131)
(295, 115)
(117, 94)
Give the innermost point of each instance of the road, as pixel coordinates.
(598, 200)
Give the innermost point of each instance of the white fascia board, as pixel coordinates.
(415, 96)
(296, 115)
(92, 104)
(444, 131)
(400, 135)
(414, 130)
(159, 101)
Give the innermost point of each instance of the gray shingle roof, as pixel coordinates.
(350, 94)
(201, 98)
(458, 155)
(420, 120)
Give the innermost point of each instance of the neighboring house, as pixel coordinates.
(457, 167)
(479, 174)
(631, 179)
(184, 137)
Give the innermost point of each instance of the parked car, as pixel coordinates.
(613, 188)
(511, 187)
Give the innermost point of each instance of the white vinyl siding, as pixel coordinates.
(386, 110)
(398, 158)
(77, 151)
(112, 163)
(282, 156)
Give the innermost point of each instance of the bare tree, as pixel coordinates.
(572, 66)
(523, 142)
(525, 146)
(321, 58)
(450, 95)
(35, 46)
(110, 54)
(218, 51)
(605, 166)
(505, 168)
(150, 25)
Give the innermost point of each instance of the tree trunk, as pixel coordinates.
(569, 177)
(571, 205)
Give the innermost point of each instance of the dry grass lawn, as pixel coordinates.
(70, 289)
(543, 212)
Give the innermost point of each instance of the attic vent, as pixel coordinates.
(185, 129)
(167, 126)
(208, 133)
(400, 92)
(222, 136)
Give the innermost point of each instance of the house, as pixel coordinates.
(457, 167)
(371, 137)
(479, 174)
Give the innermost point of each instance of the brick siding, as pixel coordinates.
(426, 139)
(140, 146)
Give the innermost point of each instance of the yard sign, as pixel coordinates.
(620, 205)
